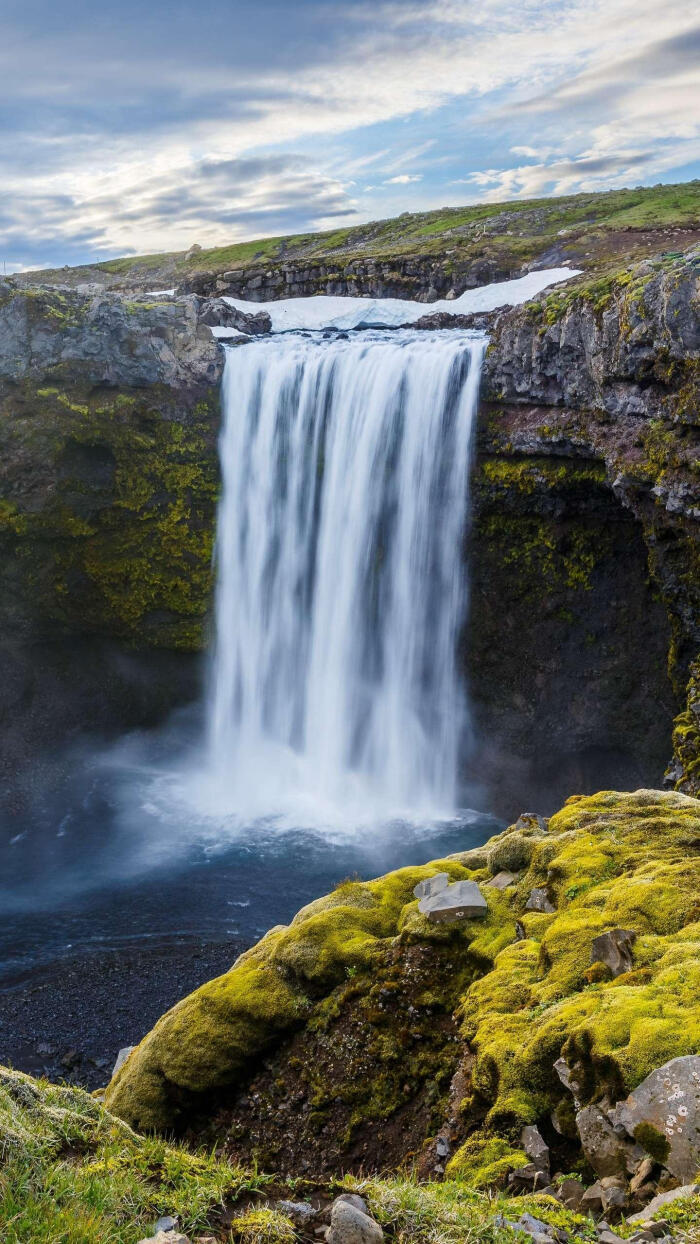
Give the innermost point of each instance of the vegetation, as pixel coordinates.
(527, 990)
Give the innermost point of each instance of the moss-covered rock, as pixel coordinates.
(684, 771)
(336, 1003)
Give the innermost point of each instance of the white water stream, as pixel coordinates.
(335, 689)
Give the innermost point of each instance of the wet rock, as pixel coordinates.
(607, 1152)
(614, 949)
(433, 885)
(461, 901)
(540, 901)
(502, 880)
(664, 1112)
(121, 1058)
(535, 1147)
(650, 1211)
(349, 1225)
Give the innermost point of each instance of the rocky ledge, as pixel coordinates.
(546, 1026)
(526, 1068)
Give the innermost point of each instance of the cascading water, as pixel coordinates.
(341, 590)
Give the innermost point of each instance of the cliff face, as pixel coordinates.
(589, 441)
(108, 479)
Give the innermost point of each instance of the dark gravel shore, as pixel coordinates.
(68, 1020)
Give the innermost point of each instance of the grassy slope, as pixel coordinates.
(588, 227)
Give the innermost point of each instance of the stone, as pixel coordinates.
(121, 1058)
(570, 1193)
(539, 1231)
(531, 821)
(614, 949)
(349, 1225)
(642, 1174)
(502, 880)
(539, 901)
(462, 900)
(606, 1236)
(535, 1147)
(607, 1152)
(592, 1199)
(613, 1195)
(166, 1237)
(433, 885)
(300, 1212)
(667, 1103)
(664, 1198)
(442, 1147)
(167, 1223)
(353, 1198)
(528, 1178)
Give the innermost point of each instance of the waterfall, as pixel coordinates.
(340, 576)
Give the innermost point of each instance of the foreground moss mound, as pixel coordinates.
(528, 989)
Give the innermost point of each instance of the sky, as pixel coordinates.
(134, 128)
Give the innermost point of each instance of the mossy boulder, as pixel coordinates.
(327, 1011)
(684, 770)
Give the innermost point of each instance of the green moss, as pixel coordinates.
(485, 1162)
(119, 536)
(655, 1143)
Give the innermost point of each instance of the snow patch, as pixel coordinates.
(322, 311)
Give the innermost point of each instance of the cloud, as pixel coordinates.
(140, 127)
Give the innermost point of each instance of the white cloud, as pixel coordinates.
(403, 179)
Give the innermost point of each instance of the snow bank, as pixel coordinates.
(321, 311)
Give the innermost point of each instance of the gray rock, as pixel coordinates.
(502, 880)
(613, 1195)
(535, 1147)
(606, 1236)
(570, 1193)
(353, 1198)
(433, 885)
(461, 901)
(668, 1101)
(607, 1152)
(442, 1147)
(349, 1225)
(121, 1058)
(539, 901)
(614, 949)
(528, 1178)
(642, 1174)
(216, 313)
(300, 1212)
(167, 1223)
(592, 1199)
(539, 1231)
(166, 1237)
(664, 1198)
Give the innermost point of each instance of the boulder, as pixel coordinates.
(167, 1223)
(353, 1198)
(606, 1151)
(614, 949)
(461, 901)
(664, 1198)
(613, 1195)
(663, 1114)
(433, 885)
(166, 1237)
(217, 313)
(349, 1225)
(536, 1147)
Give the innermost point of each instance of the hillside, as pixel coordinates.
(425, 254)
